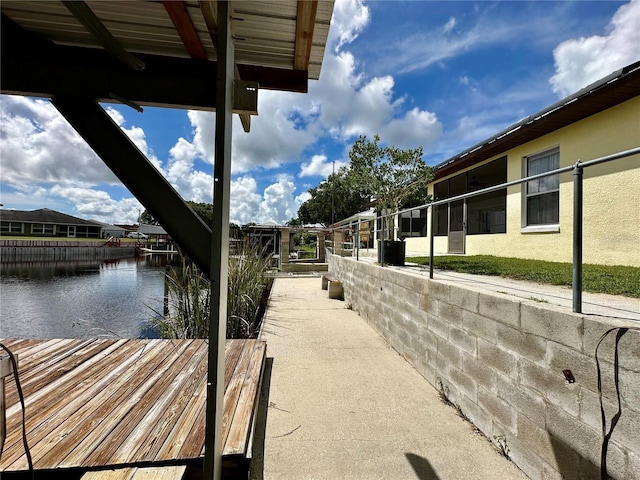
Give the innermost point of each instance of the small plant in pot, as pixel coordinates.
(394, 176)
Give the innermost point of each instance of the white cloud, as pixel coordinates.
(98, 205)
(431, 47)
(245, 201)
(448, 27)
(319, 167)
(349, 18)
(274, 139)
(584, 60)
(277, 204)
(37, 144)
(416, 128)
(347, 105)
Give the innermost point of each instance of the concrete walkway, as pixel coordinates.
(343, 405)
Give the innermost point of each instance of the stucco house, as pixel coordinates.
(46, 223)
(535, 219)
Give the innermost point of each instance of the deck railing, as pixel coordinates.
(577, 169)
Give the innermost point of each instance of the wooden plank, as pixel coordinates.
(91, 412)
(153, 428)
(240, 430)
(103, 454)
(130, 406)
(38, 371)
(160, 473)
(146, 473)
(48, 398)
(194, 446)
(232, 392)
(180, 438)
(47, 413)
(129, 401)
(118, 474)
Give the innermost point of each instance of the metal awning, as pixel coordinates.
(157, 53)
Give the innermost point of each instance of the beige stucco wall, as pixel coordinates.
(611, 196)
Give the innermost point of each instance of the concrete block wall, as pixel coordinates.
(501, 360)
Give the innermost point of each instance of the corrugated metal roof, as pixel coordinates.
(264, 32)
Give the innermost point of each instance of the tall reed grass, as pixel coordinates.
(188, 297)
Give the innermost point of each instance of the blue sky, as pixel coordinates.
(441, 75)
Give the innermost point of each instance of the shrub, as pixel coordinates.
(188, 297)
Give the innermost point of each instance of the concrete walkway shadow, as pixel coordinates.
(422, 467)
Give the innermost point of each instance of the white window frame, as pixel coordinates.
(12, 227)
(526, 195)
(43, 229)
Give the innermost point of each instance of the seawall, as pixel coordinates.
(40, 250)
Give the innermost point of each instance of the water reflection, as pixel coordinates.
(81, 299)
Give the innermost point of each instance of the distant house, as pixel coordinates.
(109, 230)
(152, 230)
(534, 220)
(46, 223)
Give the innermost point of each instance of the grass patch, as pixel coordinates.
(189, 299)
(611, 279)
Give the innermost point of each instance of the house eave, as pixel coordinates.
(608, 92)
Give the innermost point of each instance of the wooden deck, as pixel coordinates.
(97, 404)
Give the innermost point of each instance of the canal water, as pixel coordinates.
(81, 299)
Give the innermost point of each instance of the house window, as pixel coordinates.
(485, 214)
(543, 194)
(41, 229)
(11, 227)
(440, 192)
(413, 223)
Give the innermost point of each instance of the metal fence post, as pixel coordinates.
(577, 237)
(431, 230)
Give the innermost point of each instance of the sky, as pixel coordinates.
(442, 75)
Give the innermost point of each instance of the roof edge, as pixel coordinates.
(605, 82)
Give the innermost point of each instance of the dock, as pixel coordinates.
(102, 404)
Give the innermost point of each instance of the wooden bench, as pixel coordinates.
(326, 278)
(135, 473)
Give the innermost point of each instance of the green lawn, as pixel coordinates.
(615, 280)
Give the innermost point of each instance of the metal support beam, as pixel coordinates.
(431, 234)
(142, 179)
(34, 66)
(95, 27)
(219, 245)
(577, 237)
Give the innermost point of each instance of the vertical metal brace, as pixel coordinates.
(577, 237)
(431, 232)
(219, 246)
(357, 237)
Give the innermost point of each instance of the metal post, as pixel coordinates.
(431, 230)
(219, 246)
(577, 237)
(357, 237)
(383, 234)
